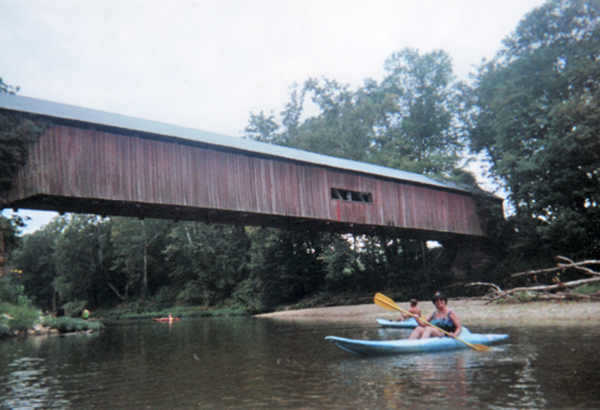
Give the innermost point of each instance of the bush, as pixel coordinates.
(68, 324)
(166, 297)
(13, 293)
(75, 308)
(18, 317)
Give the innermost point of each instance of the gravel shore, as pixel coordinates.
(471, 312)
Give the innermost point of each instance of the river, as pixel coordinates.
(260, 363)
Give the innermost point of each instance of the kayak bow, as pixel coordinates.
(409, 323)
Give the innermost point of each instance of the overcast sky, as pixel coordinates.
(209, 64)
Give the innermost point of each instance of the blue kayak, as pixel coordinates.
(410, 323)
(381, 347)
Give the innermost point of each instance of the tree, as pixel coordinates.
(82, 258)
(410, 121)
(35, 259)
(9, 89)
(138, 263)
(209, 261)
(538, 119)
(10, 288)
(419, 128)
(342, 129)
(9, 234)
(16, 132)
(284, 266)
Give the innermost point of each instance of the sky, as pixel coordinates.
(209, 64)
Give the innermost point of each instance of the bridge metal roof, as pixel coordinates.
(74, 114)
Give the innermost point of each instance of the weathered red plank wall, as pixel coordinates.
(82, 163)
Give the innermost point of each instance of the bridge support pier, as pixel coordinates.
(466, 258)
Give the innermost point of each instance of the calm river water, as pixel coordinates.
(259, 363)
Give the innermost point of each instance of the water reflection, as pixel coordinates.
(242, 363)
(28, 386)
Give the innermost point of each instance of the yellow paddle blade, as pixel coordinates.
(387, 303)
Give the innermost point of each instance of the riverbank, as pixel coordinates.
(471, 312)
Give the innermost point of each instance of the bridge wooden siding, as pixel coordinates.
(68, 164)
(73, 169)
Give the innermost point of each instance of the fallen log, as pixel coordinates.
(541, 291)
(562, 266)
(545, 289)
(561, 285)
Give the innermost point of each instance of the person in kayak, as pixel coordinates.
(442, 317)
(414, 310)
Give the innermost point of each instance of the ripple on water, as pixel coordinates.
(28, 386)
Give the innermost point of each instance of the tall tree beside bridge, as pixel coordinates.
(418, 127)
(16, 131)
(409, 121)
(538, 119)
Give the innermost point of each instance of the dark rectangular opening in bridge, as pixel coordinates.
(347, 195)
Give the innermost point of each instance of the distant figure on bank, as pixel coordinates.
(414, 310)
(85, 314)
(442, 317)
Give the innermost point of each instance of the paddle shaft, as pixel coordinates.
(387, 303)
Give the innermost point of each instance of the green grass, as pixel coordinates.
(587, 289)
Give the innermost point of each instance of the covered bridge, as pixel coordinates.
(88, 161)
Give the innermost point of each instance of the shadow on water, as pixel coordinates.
(243, 363)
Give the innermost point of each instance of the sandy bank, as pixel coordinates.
(471, 312)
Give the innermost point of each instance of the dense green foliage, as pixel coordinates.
(85, 261)
(17, 313)
(537, 116)
(16, 131)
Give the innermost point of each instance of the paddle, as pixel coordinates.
(387, 303)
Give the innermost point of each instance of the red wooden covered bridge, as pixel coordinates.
(90, 161)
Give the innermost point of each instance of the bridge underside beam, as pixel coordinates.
(177, 213)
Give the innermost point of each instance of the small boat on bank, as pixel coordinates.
(409, 323)
(403, 346)
(166, 319)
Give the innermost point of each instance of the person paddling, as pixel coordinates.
(414, 310)
(442, 317)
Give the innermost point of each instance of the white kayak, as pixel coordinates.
(381, 347)
(410, 323)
